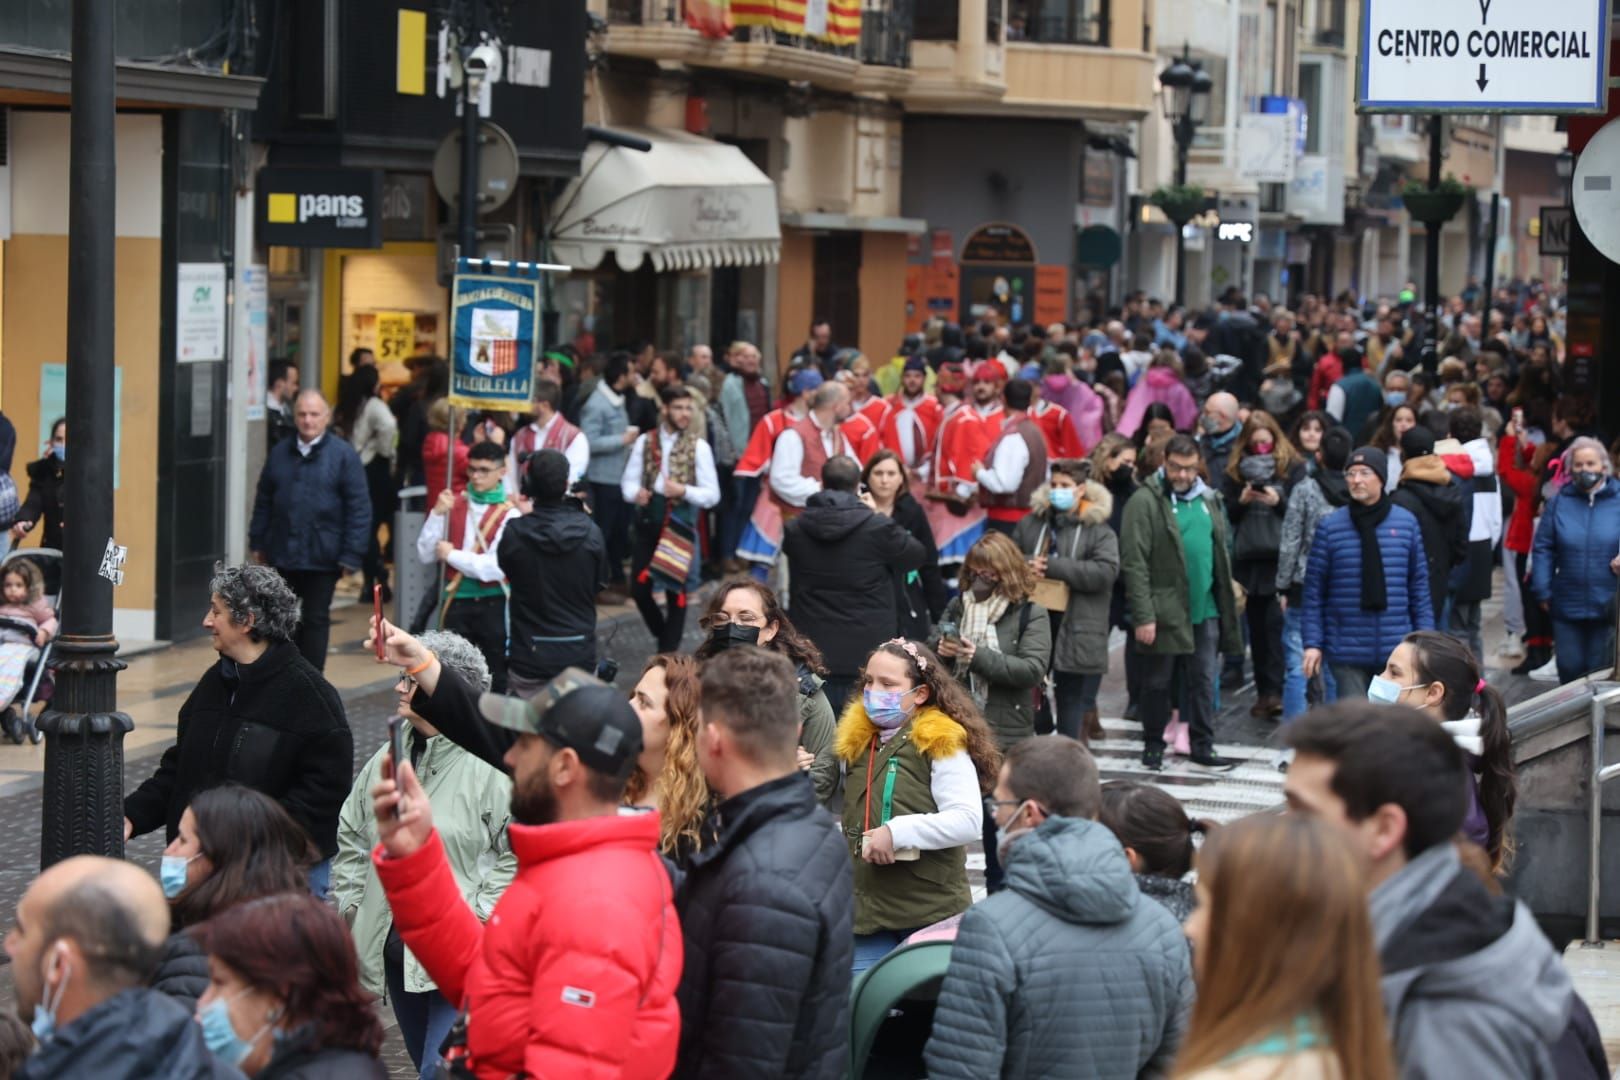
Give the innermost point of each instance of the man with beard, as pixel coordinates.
(1174, 556)
(564, 979)
(913, 420)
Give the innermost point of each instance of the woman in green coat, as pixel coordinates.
(471, 807)
(998, 643)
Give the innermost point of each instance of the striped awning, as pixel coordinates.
(687, 204)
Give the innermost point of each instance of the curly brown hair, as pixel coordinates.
(998, 555)
(788, 641)
(681, 791)
(950, 697)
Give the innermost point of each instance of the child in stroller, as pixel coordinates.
(27, 623)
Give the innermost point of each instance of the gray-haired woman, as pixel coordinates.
(471, 807)
(262, 716)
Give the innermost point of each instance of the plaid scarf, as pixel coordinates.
(682, 459)
(979, 620)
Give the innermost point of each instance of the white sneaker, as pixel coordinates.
(1512, 645)
(1547, 672)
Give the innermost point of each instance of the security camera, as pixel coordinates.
(484, 62)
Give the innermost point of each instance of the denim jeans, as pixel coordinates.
(1581, 646)
(320, 878)
(424, 1019)
(1201, 674)
(1297, 689)
(1464, 623)
(870, 948)
(1076, 696)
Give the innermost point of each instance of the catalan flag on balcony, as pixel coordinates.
(837, 22)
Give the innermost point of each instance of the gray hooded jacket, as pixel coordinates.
(1069, 972)
(1471, 985)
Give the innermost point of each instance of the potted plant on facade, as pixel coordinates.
(1436, 205)
(1180, 202)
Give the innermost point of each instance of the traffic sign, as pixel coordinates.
(1474, 56)
(1556, 221)
(1596, 187)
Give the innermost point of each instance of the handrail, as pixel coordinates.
(1601, 774)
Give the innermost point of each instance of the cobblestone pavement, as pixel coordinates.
(623, 638)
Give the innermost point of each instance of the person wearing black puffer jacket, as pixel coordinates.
(767, 910)
(1441, 505)
(842, 555)
(262, 717)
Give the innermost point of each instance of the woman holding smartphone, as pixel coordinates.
(920, 760)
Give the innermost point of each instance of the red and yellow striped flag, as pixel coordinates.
(837, 22)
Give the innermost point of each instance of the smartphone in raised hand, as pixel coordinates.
(379, 635)
(396, 751)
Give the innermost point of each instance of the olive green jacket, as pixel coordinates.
(1013, 673)
(1155, 570)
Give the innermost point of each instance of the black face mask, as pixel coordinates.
(724, 637)
(1122, 474)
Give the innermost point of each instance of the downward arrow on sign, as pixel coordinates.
(1482, 80)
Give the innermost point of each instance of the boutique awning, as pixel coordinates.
(686, 204)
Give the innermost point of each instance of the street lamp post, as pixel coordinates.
(83, 805)
(1184, 95)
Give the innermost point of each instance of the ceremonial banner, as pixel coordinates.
(837, 22)
(495, 316)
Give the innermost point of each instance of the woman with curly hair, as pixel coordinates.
(746, 612)
(667, 776)
(998, 645)
(262, 716)
(284, 1000)
(920, 759)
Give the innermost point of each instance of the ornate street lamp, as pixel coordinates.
(1184, 94)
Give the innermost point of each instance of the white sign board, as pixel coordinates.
(1475, 56)
(1266, 144)
(250, 340)
(199, 321)
(1596, 190)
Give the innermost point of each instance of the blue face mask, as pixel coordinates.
(220, 1035)
(1387, 691)
(44, 1025)
(1393, 398)
(1063, 498)
(59, 451)
(885, 708)
(172, 874)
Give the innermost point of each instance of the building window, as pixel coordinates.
(1310, 91)
(1330, 22)
(1059, 22)
(936, 20)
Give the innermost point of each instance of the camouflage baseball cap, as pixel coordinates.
(576, 711)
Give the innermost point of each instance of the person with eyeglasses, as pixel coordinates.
(1176, 562)
(471, 809)
(464, 533)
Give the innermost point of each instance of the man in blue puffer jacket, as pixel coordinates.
(1367, 581)
(1575, 558)
(310, 518)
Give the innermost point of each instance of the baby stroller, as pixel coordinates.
(15, 717)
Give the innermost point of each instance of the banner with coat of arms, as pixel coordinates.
(495, 316)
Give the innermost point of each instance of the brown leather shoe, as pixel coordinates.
(1091, 727)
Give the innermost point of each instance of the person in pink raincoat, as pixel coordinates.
(1161, 382)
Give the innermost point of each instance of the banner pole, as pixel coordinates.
(450, 486)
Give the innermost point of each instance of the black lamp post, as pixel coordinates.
(1184, 89)
(83, 806)
(1564, 166)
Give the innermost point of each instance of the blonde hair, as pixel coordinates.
(1000, 556)
(683, 794)
(1288, 936)
(1282, 447)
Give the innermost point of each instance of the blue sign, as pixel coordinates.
(494, 313)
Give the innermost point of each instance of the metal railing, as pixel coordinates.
(1600, 775)
(886, 29)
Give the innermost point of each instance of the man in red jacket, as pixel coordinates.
(575, 973)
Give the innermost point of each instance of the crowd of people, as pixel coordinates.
(921, 566)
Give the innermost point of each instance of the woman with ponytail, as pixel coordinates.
(1438, 674)
(919, 759)
(1157, 837)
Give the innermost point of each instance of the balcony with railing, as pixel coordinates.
(877, 58)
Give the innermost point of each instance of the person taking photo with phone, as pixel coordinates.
(471, 802)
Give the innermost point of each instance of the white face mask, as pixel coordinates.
(1388, 691)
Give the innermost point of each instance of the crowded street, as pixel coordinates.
(809, 539)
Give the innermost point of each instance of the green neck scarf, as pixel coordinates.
(487, 498)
